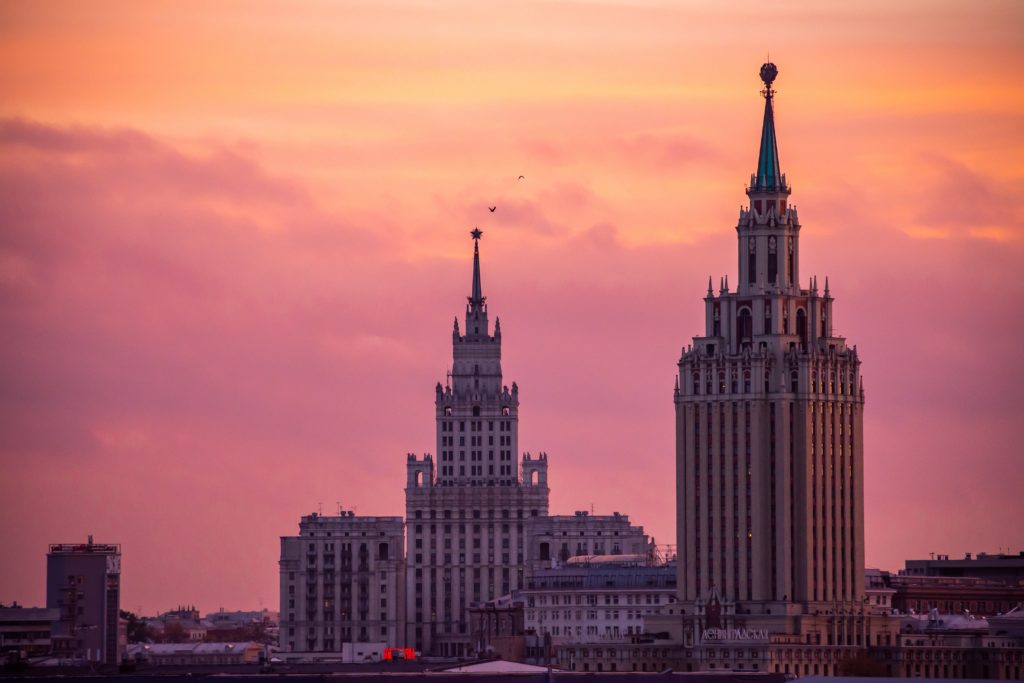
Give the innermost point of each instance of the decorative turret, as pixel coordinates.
(768, 227)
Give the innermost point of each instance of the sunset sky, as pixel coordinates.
(233, 237)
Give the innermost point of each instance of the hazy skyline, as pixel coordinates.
(234, 239)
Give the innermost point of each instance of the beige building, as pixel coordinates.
(467, 515)
(769, 441)
(342, 581)
(557, 538)
(596, 598)
(769, 460)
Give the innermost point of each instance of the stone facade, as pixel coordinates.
(342, 581)
(769, 425)
(603, 600)
(466, 517)
(556, 538)
(769, 460)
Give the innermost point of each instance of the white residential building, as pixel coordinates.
(596, 598)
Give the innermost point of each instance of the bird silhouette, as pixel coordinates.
(491, 208)
(522, 177)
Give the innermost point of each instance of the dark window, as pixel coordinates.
(751, 261)
(744, 327)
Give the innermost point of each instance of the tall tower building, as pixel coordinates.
(769, 447)
(466, 520)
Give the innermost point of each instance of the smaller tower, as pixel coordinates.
(535, 466)
(420, 473)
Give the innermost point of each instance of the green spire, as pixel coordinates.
(769, 176)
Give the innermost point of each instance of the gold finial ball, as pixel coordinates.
(768, 73)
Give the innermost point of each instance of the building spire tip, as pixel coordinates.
(477, 295)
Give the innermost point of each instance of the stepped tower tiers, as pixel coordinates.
(467, 521)
(485, 453)
(769, 448)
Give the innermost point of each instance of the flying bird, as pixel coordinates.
(491, 208)
(522, 177)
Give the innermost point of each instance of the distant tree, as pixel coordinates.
(174, 632)
(138, 630)
(861, 665)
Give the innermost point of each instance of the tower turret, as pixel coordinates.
(768, 228)
(476, 401)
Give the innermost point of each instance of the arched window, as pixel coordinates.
(793, 381)
(744, 327)
(696, 383)
(773, 260)
(746, 381)
(504, 410)
(448, 411)
(801, 327)
(721, 382)
(476, 411)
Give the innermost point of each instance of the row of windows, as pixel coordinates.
(477, 528)
(476, 470)
(503, 440)
(476, 456)
(476, 425)
(598, 599)
(476, 514)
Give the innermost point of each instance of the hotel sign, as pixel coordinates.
(734, 634)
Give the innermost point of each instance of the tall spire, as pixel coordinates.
(769, 175)
(477, 297)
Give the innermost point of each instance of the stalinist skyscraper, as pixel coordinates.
(769, 445)
(466, 521)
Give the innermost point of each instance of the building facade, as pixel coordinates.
(342, 581)
(769, 459)
(25, 631)
(83, 582)
(466, 515)
(769, 423)
(557, 538)
(1003, 567)
(598, 599)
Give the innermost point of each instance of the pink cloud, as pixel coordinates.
(184, 371)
